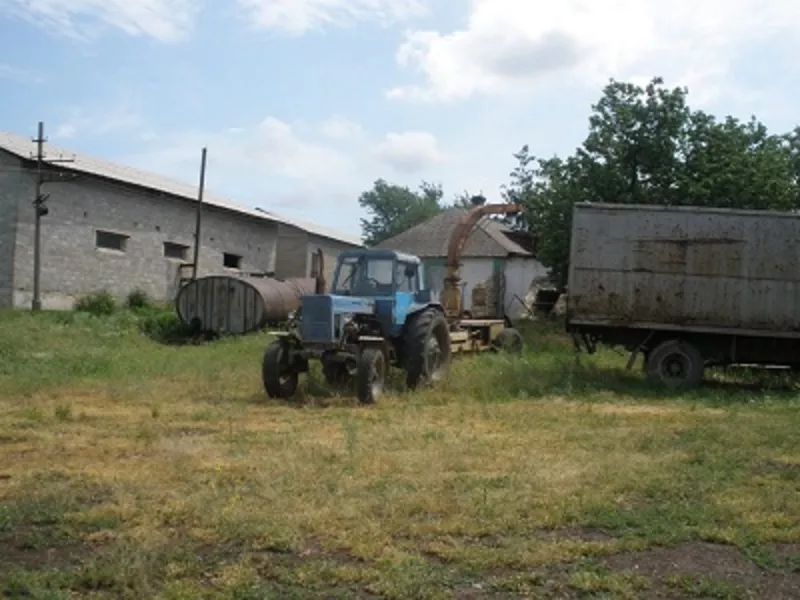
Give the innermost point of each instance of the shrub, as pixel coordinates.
(138, 300)
(97, 304)
(166, 327)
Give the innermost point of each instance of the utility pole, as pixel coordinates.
(40, 210)
(199, 213)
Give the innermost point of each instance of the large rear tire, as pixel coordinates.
(370, 375)
(280, 379)
(675, 364)
(426, 348)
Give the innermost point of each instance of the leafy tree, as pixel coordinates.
(395, 209)
(464, 200)
(646, 146)
(547, 190)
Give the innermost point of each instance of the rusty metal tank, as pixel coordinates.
(225, 304)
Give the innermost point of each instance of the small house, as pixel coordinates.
(498, 264)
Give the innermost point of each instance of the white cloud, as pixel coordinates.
(277, 147)
(296, 168)
(162, 20)
(300, 16)
(339, 128)
(508, 45)
(410, 152)
(270, 148)
(117, 115)
(11, 72)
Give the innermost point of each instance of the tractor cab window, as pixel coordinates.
(405, 274)
(363, 276)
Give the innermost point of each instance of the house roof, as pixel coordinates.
(24, 148)
(431, 238)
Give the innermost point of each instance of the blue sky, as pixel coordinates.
(304, 103)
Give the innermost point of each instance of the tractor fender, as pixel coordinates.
(419, 307)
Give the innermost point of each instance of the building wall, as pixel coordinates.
(72, 265)
(473, 271)
(330, 251)
(14, 184)
(292, 255)
(520, 274)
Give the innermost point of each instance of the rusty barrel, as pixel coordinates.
(226, 304)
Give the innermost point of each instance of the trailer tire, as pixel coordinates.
(509, 341)
(675, 364)
(279, 378)
(370, 375)
(426, 329)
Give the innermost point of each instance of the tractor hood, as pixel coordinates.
(322, 313)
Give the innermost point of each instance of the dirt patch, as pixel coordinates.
(19, 552)
(499, 540)
(12, 439)
(583, 534)
(705, 562)
(777, 465)
(788, 555)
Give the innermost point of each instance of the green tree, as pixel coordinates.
(394, 209)
(547, 190)
(646, 146)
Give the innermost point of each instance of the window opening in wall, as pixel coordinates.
(177, 251)
(111, 241)
(231, 261)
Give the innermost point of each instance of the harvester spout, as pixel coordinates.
(451, 294)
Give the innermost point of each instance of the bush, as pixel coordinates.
(138, 300)
(166, 327)
(97, 304)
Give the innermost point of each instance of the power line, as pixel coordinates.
(40, 210)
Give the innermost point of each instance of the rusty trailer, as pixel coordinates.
(686, 287)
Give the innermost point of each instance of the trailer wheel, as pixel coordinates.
(427, 347)
(370, 375)
(280, 379)
(509, 340)
(675, 364)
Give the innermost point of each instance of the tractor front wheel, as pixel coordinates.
(427, 348)
(280, 379)
(370, 375)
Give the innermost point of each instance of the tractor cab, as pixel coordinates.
(390, 282)
(376, 273)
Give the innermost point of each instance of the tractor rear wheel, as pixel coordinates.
(426, 347)
(280, 379)
(370, 375)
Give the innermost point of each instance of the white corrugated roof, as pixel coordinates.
(26, 148)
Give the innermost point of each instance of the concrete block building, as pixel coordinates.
(114, 228)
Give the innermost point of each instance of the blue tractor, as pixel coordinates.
(378, 314)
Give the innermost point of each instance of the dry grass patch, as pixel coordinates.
(174, 477)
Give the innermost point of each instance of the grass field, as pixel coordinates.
(133, 469)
